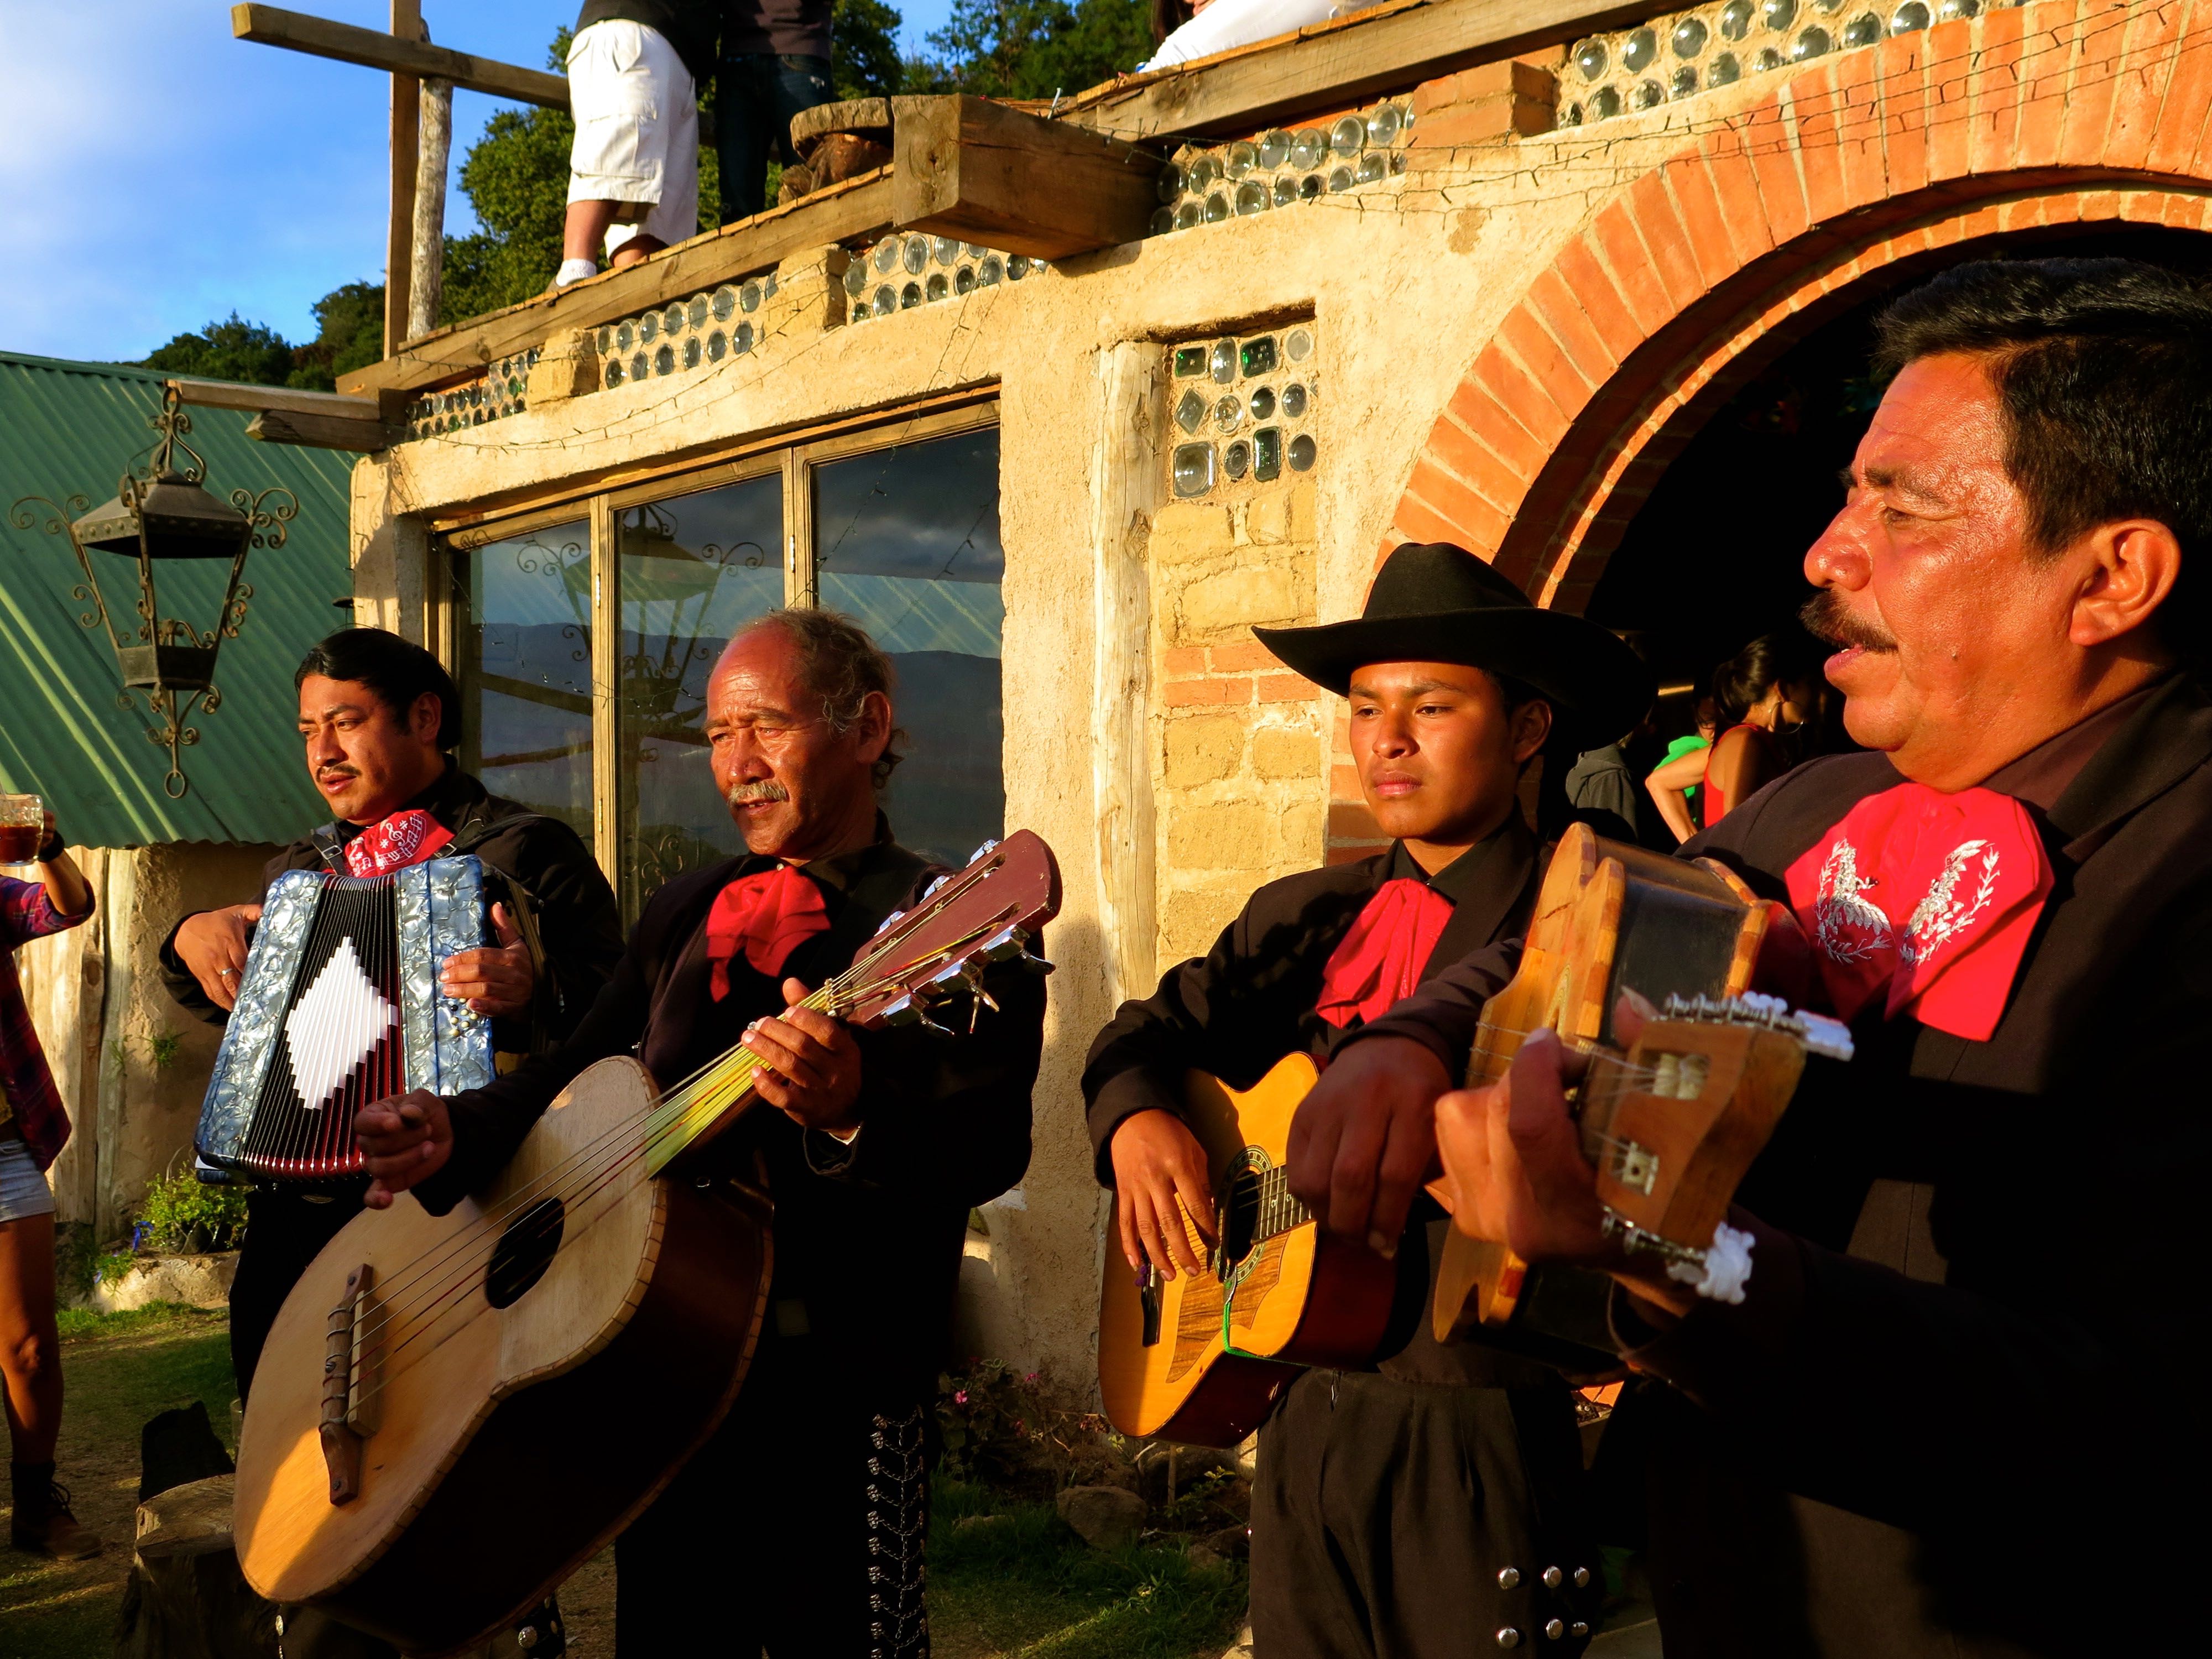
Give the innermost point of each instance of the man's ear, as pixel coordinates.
(873, 731)
(1531, 728)
(2134, 564)
(427, 714)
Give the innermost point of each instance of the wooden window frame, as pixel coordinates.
(793, 458)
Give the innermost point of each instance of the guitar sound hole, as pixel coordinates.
(525, 1251)
(1240, 1220)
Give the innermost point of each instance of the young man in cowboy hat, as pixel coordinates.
(1396, 1512)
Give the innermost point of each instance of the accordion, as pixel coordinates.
(339, 1008)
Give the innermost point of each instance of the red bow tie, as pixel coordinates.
(768, 917)
(1379, 960)
(1926, 900)
(403, 839)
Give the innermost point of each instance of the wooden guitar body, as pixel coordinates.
(508, 1442)
(1608, 917)
(1199, 1358)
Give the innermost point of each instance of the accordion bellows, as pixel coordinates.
(339, 1008)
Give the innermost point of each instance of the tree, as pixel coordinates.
(864, 54)
(232, 349)
(1036, 49)
(350, 335)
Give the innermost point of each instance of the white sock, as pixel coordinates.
(574, 270)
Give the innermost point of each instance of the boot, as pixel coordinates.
(43, 1524)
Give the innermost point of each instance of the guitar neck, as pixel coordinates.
(715, 1096)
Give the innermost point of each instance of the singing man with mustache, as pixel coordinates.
(1932, 1419)
(799, 1526)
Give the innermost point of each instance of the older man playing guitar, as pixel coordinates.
(1394, 1510)
(799, 1526)
(1953, 1445)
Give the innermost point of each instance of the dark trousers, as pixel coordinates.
(284, 1232)
(1398, 1521)
(798, 1529)
(756, 95)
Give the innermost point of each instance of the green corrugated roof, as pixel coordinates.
(68, 427)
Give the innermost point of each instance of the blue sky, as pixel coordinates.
(157, 173)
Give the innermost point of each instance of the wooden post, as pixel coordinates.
(427, 280)
(399, 234)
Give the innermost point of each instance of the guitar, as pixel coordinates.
(430, 1450)
(1201, 1357)
(1608, 917)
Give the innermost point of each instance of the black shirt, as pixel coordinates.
(1250, 1001)
(687, 24)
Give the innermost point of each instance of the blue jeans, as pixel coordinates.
(756, 95)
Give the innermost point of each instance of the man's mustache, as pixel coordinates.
(1824, 617)
(333, 773)
(766, 789)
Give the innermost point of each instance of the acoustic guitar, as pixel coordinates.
(453, 1413)
(1609, 918)
(1199, 1357)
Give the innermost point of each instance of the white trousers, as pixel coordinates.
(637, 131)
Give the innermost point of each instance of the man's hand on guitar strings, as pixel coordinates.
(810, 1067)
(1364, 1139)
(497, 980)
(403, 1140)
(1160, 1178)
(1515, 1166)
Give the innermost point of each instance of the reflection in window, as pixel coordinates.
(524, 609)
(694, 570)
(907, 542)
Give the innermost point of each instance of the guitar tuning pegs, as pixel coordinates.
(981, 852)
(1036, 964)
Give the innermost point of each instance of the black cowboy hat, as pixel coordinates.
(1432, 602)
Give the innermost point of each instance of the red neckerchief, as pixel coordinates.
(403, 839)
(1925, 900)
(766, 915)
(1379, 960)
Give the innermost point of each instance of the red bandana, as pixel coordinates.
(768, 917)
(1925, 900)
(403, 839)
(1380, 960)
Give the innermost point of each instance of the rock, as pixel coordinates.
(1105, 1517)
(970, 1522)
(867, 118)
(1232, 1543)
(1203, 1558)
(199, 1281)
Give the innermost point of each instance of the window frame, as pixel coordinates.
(793, 458)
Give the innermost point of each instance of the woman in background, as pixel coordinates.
(1763, 699)
(1675, 782)
(33, 1127)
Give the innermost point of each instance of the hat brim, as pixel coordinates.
(1594, 681)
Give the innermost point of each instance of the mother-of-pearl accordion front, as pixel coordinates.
(339, 1008)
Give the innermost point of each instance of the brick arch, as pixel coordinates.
(1692, 277)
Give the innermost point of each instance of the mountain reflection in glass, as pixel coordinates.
(907, 542)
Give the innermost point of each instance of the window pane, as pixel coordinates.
(907, 541)
(694, 570)
(525, 669)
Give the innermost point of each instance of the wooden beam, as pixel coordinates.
(320, 432)
(271, 25)
(850, 211)
(972, 168)
(406, 160)
(426, 283)
(1334, 64)
(283, 399)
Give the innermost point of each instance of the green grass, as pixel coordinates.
(120, 1369)
(1020, 1585)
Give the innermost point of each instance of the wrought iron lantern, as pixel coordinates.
(160, 512)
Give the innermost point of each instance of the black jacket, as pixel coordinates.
(1860, 1461)
(1249, 1001)
(868, 1236)
(571, 909)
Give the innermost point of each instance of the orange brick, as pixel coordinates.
(1417, 522)
(1483, 81)
(1465, 126)
(1951, 86)
(1248, 655)
(1472, 409)
(1565, 321)
(1184, 660)
(1664, 242)
(1781, 191)
(1905, 113)
(1344, 782)
(1514, 390)
(1473, 523)
(1698, 204)
(1820, 110)
(1621, 250)
(1859, 105)
(2182, 106)
(1286, 687)
(1351, 820)
(1530, 342)
(2141, 77)
(1591, 288)
(1186, 694)
(1468, 459)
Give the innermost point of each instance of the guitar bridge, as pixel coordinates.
(353, 1396)
(1148, 1301)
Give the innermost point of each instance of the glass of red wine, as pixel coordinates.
(23, 828)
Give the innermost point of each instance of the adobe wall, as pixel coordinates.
(1166, 759)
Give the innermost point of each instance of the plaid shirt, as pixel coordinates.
(26, 914)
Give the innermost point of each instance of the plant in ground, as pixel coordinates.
(182, 1212)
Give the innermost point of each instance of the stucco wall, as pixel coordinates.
(130, 1064)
